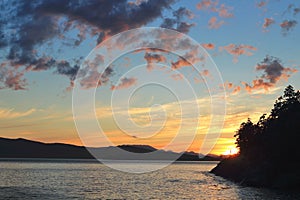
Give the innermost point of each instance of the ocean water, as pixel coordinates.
(90, 180)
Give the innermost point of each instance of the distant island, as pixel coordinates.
(269, 149)
(22, 148)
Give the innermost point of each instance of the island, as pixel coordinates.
(26, 149)
(269, 153)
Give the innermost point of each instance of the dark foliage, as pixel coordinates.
(269, 149)
(275, 137)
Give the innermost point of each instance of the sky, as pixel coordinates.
(140, 96)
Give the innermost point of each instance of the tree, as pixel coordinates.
(285, 102)
(275, 136)
(244, 136)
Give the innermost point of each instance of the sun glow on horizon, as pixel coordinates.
(231, 151)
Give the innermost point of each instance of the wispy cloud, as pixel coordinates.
(214, 6)
(262, 4)
(213, 23)
(11, 113)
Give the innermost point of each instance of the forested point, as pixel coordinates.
(269, 153)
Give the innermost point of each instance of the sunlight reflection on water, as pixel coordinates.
(81, 180)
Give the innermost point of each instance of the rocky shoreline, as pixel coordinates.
(263, 174)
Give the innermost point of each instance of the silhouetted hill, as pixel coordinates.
(22, 148)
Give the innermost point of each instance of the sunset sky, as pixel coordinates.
(43, 43)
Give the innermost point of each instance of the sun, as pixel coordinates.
(231, 151)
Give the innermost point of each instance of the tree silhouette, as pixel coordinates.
(269, 149)
(277, 136)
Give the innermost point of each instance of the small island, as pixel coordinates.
(269, 153)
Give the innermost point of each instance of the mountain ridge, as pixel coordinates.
(24, 148)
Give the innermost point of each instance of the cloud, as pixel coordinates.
(10, 113)
(233, 89)
(188, 59)
(268, 22)
(10, 78)
(95, 78)
(213, 23)
(125, 83)
(237, 50)
(177, 23)
(261, 4)
(292, 9)
(153, 58)
(224, 11)
(272, 72)
(205, 73)
(208, 46)
(32, 24)
(177, 77)
(287, 25)
(207, 5)
(214, 6)
(180, 63)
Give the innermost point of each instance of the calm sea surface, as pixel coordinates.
(84, 180)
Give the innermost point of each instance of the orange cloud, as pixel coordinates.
(208, 46)
(230, 87)
(180, 63)
(268, 22)
(237, 50)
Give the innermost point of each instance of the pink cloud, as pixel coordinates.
(153, 58)
(213, 6)
(205, 73)
(237, 50)
(213, 23)
(207, 4)
(224, 11)
(188, 59)
(261, 4)
(177, 77)
(272, 72)
(288, 25)
(124, 83)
